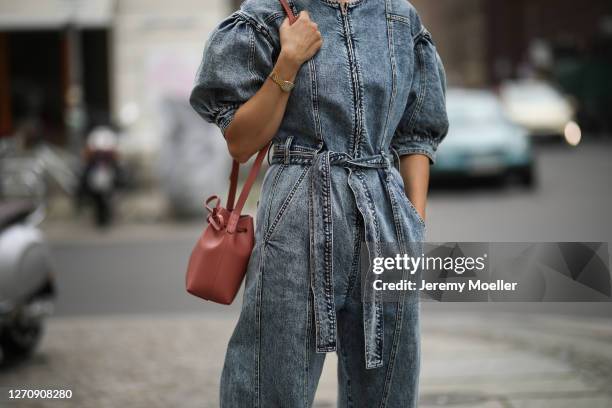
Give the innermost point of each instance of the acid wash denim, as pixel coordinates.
(374, 91)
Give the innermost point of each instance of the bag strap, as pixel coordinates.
(292, 17)
(244, 194)
(231, 195)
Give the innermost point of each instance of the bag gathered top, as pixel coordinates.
(219, 260)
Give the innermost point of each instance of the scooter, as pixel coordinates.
(100, 176)
(27, 286)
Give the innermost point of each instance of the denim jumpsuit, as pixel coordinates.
(374, 91)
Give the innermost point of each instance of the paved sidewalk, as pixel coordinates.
(469, 360)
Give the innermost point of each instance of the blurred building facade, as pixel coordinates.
(565, 42)
(483, 41)
(74, 63)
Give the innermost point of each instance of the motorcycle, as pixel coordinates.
(100, 176)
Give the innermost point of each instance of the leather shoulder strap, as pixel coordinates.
(292, 17)
(231, 195)
(246, 189)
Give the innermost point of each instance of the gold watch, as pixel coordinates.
(286, 86)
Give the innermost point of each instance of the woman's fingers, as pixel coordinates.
(304, 15)
(312, 50)
(302, 39)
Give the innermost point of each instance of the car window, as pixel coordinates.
(474, 110)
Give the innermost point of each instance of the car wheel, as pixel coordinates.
(18, 340)
(526, 176)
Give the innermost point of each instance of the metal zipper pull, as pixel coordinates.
(343, 6)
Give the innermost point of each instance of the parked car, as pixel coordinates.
(541, 109)
(482, 141)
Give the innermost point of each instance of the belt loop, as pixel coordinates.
(396, 158)
(385, 156)
(273, 146)
(288, 148)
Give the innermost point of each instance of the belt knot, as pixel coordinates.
(320, 219)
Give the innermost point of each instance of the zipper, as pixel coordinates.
(354, 77)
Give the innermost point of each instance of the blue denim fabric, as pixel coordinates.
(373, 92)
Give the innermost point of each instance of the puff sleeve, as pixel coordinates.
(236, 60)
(424, 122)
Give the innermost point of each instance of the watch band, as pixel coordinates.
(285, 86)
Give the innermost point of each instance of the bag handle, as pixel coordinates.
(244, 194)
(236, 212)
(292, 17)
(231, 195)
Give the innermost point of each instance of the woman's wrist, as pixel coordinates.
(286, 67)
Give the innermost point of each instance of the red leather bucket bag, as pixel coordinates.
(219, 260)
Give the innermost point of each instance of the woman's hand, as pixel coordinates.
(301, 40)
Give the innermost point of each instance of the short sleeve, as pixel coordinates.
(424, 122)
(236, 60)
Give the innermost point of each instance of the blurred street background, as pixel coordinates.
(103, 161)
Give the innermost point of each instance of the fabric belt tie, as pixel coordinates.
(321, 241)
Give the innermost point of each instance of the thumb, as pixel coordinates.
(285, 23)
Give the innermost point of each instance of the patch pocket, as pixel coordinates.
(399, 18)
(281, 196)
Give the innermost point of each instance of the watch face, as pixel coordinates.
(286, 86)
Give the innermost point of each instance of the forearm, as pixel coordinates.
(257, 120)
(414, 169)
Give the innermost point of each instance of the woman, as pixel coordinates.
(368, 87)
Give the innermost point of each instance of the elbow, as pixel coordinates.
(237, 150)
(239, 155)
(241, 145)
